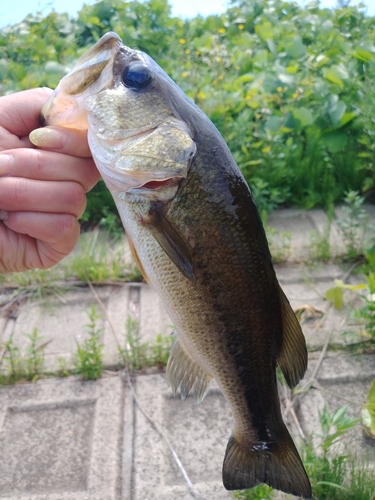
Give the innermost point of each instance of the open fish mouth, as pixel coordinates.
(156, 184)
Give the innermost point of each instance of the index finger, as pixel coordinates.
(62, 140)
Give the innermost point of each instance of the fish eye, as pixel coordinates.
(137, 76)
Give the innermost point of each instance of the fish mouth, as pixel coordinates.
(156, 184)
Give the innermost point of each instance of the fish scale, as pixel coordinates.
(198, 239)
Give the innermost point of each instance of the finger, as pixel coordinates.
(39, 164)
(19, 194)
(19, 112)
(42, 239)
(63, 140)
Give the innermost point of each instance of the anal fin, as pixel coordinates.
(183, 373)
(292, 357)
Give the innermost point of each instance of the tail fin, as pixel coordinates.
(277, 464)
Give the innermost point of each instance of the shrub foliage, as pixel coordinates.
(290, 88)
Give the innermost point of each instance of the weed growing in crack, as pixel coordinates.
(14, 366)
(320, 248)
(63, 369)
(138, 355)
(34, 361)
(281, 250)
(88, 360)
(10, 364)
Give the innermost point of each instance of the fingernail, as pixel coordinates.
(47, 138)
(6, 164)
(3, 214)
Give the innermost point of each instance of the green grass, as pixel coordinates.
(99, 258)
(99, 263)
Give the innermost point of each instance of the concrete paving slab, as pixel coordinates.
(311, 291)
(199, 434)
(307, 285)
(154, 318)
(7, 328)
(64, 322)
(296, 222)
(122, 303)
(308, 274)
(61, 323)
(60, 440)
(323, 229)
(3, 322)
(343, 368)
(308, 226)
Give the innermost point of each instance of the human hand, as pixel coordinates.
(42, 191)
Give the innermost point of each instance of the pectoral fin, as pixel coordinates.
(137, 259)
(171, 242)
(184, 373)
(292, 357)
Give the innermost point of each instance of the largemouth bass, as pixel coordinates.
(199, 242)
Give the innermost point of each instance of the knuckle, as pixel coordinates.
(19, 191)
(38, 163)
(66, 225)
(77, 198)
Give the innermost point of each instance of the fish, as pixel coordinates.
(198, 240)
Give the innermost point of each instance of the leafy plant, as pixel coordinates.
(290, 88)
(88, 360)
(365, 314)
(260, 492)
(98, 263)
(368, 413)
(355, 228)
(336, 476)
(334, 425)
